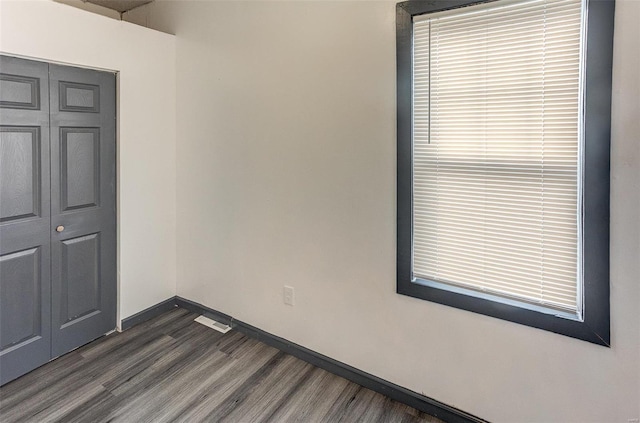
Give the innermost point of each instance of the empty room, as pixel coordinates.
(320, 211)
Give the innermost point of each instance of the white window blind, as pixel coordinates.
(497, 148)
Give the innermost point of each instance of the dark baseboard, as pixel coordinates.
(393, 391)
(149, 313)
(194, 307)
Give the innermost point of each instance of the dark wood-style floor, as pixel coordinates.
(172, 369)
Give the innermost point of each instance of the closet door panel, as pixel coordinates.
(25, 227)
(83, 209)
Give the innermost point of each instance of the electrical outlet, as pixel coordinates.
(289, 297)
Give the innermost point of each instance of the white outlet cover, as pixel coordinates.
(289, 295)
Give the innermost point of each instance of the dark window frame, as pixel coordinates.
(595, 324)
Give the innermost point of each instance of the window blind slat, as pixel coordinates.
(496, 149)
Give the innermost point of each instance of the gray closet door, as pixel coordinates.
(83, 209)
(25, 230)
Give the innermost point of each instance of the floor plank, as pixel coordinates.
(171, 369)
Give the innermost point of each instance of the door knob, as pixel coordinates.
(60, 228)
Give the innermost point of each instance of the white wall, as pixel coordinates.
(145, 60)
(286, 175)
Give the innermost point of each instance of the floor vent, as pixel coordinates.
(220, 327)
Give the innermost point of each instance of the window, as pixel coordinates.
(503, 159)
